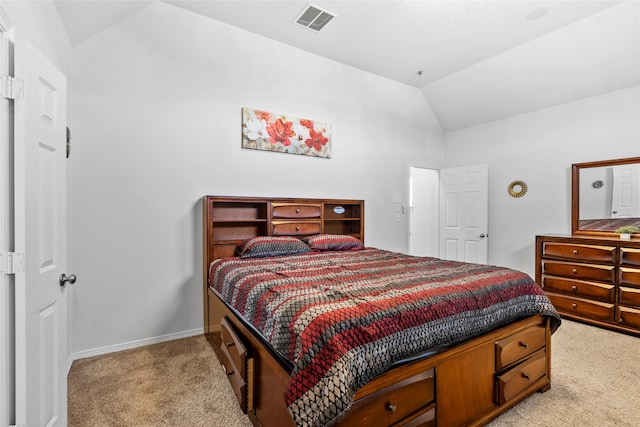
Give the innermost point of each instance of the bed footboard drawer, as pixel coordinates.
(521, 377)
(395, 403)
(518, 346)
(426, 419)
(236, 362)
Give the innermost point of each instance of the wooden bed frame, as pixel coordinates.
(467, 384)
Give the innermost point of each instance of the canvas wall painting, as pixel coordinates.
(262, 130)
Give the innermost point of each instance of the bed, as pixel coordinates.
(315, 328)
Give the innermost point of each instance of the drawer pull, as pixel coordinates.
(525, 376)
(298, 228)
(574, 288)
(391, 407)
(574, 305)
(575, 271)
(575, 252)
(523, 344)
(297, 210)
(228, 373)
(230, 344)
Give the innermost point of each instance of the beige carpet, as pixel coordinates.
(177, 383)
(595, 382)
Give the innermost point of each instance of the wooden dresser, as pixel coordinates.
(595, 280)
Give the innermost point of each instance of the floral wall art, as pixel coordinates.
(262, 130)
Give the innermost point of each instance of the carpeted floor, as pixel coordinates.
(177, 383)
(595, 382)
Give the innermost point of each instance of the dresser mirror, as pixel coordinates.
(605, 195)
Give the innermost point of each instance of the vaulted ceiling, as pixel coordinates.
(474, 61)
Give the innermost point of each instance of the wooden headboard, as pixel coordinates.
(230, 220)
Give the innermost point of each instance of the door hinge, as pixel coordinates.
(11, 88)
(11, 262)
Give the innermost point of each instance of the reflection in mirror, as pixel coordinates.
(608, 194)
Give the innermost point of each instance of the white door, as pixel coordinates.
(464, 213)
(41, 234)
(6, 231)
(625, 200)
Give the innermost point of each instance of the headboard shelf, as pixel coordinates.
(230, 220)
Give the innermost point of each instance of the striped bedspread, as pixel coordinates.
(344, 317)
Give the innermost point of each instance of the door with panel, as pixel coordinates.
(41, 235)
(464, 213)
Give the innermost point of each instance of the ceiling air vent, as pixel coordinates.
(314, 18)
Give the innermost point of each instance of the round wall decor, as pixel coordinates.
(517, 188)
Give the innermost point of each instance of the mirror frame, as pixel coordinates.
(575, 193)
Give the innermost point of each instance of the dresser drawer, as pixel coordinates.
(280, 210)
(629, 276)
(582, 307)
(630, 257)
(394, 403)
(601, 291)
(603, 273)
(285, 228)
(629, 296)
(518, 346)
(588, 253)
(629, 316)
(521, 377)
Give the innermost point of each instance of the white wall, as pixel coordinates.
(39, 22)
(157, 124)
(539, 149)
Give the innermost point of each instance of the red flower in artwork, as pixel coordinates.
(316, 140)
(306, 123)
(280, 132)
(263, 115)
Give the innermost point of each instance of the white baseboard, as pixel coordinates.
(134, 344)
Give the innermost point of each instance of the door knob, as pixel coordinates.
(482, 236)
(64, 279)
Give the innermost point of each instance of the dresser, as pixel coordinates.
(595, 280)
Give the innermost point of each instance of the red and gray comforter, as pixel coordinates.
(344, 317)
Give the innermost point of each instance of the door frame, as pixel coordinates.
(7, 281)
(436, 201)
(411, 217)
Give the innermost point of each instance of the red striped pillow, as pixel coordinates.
(263, 246)
(333, 242)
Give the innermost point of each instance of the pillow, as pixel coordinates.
(264, 246)
(333, 242)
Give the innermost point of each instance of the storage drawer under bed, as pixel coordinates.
(237, 363)
(396, 404)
